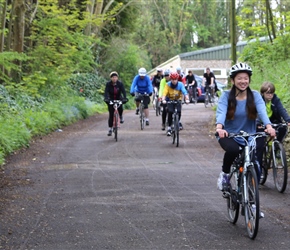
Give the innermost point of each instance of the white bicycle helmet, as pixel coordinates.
(240, 67)
(142, 72)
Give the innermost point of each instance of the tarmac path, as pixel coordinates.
(80, 189)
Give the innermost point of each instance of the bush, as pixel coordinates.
(90, 86)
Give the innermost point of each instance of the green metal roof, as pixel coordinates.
(221, 52)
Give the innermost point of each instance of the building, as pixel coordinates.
(216, 58)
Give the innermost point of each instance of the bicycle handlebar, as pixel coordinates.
(117, 102)
(276, 126)
(174, 101)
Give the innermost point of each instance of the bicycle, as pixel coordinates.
(141, 109)
(274, 156)
(192, 97)
(175, 121)
(116, 121)
(209, 97)
(243, 186)
(156, 102)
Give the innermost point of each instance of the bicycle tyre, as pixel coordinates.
(157, 109)
(264, 167)
(176, 127)
(173, 130)
(116, 126)
(206, 100)
(252, 206)
(280, 169)
(211, 100)
(154, 103)
(233, 205)
(142, 118)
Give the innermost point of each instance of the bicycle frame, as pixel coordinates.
(244, 188)
(116, 121)
(209, 96)
(175, 121)
(155, 102)
(141, 110)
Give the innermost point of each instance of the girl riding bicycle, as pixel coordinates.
(114, 91)
(237, 111)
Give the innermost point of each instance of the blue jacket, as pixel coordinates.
(240, 121)
(141, 85)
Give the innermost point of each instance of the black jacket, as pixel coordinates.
(115, 92)
(279, 112)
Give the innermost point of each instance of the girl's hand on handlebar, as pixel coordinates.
(271, 131)
(221, 133)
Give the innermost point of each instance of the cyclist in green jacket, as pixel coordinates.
(161, 88)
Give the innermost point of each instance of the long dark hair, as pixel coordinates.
(250, 105)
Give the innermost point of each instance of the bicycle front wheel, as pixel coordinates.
(233, 205)
(116, 117)
(264, 167)
(206, 100)
(176, 128)
(252, 205)
(280, 169)
(157, 107)
(142, 117)
(211, 100)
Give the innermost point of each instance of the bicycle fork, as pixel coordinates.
(245, 200)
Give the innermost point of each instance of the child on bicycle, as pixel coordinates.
(275, 109)
(276, 113)
(174, 90)
(114, 91)
(237, 110)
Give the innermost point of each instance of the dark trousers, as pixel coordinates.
(111, 114)
(170, 109)
(232, 149)
(164, 113)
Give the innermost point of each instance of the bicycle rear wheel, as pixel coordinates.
(116, 117)
(280, 169)
(264, 167)
(233, 205)
(252, 206)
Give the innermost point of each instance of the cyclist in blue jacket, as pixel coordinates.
(142, 85)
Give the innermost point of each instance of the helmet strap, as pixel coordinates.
(240, 91)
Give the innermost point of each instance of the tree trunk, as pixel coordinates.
(3, 11)
(19, 26)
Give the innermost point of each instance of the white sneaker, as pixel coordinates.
(220, 181)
